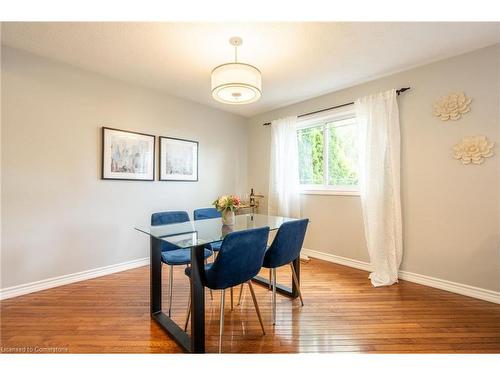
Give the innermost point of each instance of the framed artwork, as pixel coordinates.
(127, 155)
(178, 159)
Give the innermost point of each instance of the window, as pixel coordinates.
(328, 154)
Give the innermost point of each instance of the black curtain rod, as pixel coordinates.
(401, 90)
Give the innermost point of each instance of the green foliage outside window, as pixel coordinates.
(310, 144)
(342, 156)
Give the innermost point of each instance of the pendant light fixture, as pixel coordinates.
(236, 83)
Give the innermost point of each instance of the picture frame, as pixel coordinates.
(127, 155)
(178, 159)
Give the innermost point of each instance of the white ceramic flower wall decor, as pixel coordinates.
(473, 149)
(452, 107)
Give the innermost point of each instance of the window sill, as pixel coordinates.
(329, 192)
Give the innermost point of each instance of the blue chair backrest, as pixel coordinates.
(287, 244)
(206, 213)
(168, 217)
(240, 258)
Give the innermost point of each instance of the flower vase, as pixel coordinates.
(226, 229)
(228, 217)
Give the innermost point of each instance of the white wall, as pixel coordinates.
(450, 211)
(58, 216)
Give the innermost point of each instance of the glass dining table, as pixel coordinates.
(195, 235)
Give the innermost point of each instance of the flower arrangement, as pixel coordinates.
(227, 202)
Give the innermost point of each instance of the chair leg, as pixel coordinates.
(188, 311)
(270, 279)
(296, 281)
(231, 298)
(170, 289)
(210, 290)
(273, 299)
(241, 293)
(221, 328)
(249, 282)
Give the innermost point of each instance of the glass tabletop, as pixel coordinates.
(201, 232)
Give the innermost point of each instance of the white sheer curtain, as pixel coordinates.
(283, 170)
(378, 119)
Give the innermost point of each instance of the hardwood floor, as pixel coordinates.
(342, 313)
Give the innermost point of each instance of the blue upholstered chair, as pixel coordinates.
(211, 213)
(284, 250)
(239, 260)
(170, 254)
(208, 213)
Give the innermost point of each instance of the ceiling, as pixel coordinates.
(297, 60)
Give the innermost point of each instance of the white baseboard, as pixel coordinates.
(450, 286)
(36, 286)
(337, 259)
(466, 290)
(304, 257)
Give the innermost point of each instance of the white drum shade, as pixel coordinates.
(236, 83)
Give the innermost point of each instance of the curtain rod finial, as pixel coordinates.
(403, 89)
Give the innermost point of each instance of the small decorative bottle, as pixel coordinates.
(252, 198)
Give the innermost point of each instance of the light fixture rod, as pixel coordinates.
(235, 41)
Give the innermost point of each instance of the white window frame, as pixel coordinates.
(324, 120)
